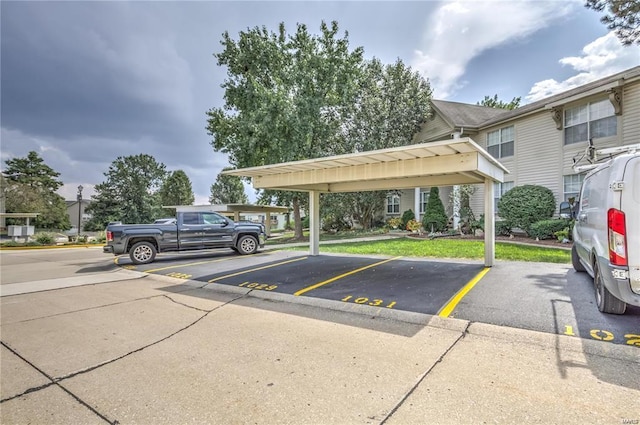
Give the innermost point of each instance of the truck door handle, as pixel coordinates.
(207, 228)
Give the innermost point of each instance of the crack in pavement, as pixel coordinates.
(56, 381)
(101, 306)
(52, 382)
(424, 375)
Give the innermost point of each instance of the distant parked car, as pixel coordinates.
(606, 234)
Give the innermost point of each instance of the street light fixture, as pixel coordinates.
(79, 209)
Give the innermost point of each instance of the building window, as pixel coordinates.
(589, 121)
(572, 185)
(499, 189)
(500, 142)
(424, 198)
(393, 204)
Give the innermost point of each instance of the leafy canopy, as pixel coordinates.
(130, 193)
(227, 190)
(300, 96)
(284, 95)
(176, 190)
(493, 102)
(29, 185)
(623, 16)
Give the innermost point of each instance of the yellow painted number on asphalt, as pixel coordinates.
(601, 335)
(365, 300)
(259, 286)
(633, 339)
(179, 275)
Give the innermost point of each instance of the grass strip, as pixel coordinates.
(449, 248)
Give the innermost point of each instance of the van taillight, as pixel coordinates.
(617, 237)
(109, 236)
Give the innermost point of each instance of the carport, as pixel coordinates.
(443, 163)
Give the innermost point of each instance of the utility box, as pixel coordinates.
(20, 231)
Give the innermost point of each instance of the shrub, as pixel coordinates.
(503, 228)
(563, 235)
(435, 219)
(406, 217)
(305, 222)
(45, 238)
(524, 205)
(546, 229)
(394, 222)
(413, 225)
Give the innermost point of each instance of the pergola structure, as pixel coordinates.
(443, 163)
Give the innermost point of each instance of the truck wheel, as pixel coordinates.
(247, 245)
(142, 253)
(606, 302)
(575, 260)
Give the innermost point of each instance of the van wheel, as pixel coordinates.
(575, 260)
(142, 253)
(247, 245)
(606, 302)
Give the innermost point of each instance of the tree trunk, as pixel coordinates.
(296, 218)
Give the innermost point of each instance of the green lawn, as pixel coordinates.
(450, 248)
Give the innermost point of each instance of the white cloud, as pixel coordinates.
(603, 57)
(461, 30)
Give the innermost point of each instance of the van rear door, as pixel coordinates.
(630, 205)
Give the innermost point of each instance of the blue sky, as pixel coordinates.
(85, 82)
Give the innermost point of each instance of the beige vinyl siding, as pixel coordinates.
(433, 130)
(406, 201)
(631, 114)
(539, 152)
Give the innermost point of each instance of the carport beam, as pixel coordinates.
(489, 224)
(314, 222)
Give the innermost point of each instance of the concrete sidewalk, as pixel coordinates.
(156, 350)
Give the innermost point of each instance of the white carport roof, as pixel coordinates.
(443, 163)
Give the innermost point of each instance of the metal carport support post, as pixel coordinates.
(314, 222)
(489, 224)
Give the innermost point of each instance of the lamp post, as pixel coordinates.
(79, 209)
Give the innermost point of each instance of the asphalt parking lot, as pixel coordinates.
(546, 297)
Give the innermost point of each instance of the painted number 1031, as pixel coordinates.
(365, 300)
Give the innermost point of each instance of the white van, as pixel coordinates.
(606, 234)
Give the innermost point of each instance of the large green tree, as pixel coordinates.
(392, 103)
(494, 102)
(31, 187)
(130, 193)
(176, 190)
(286, 96)
(228, 190)
(623, 16)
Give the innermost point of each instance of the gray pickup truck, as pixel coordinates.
(190, 231)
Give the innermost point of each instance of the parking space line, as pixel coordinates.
(191, 264)
(257, 268)
(333, 279)
(446, 310)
